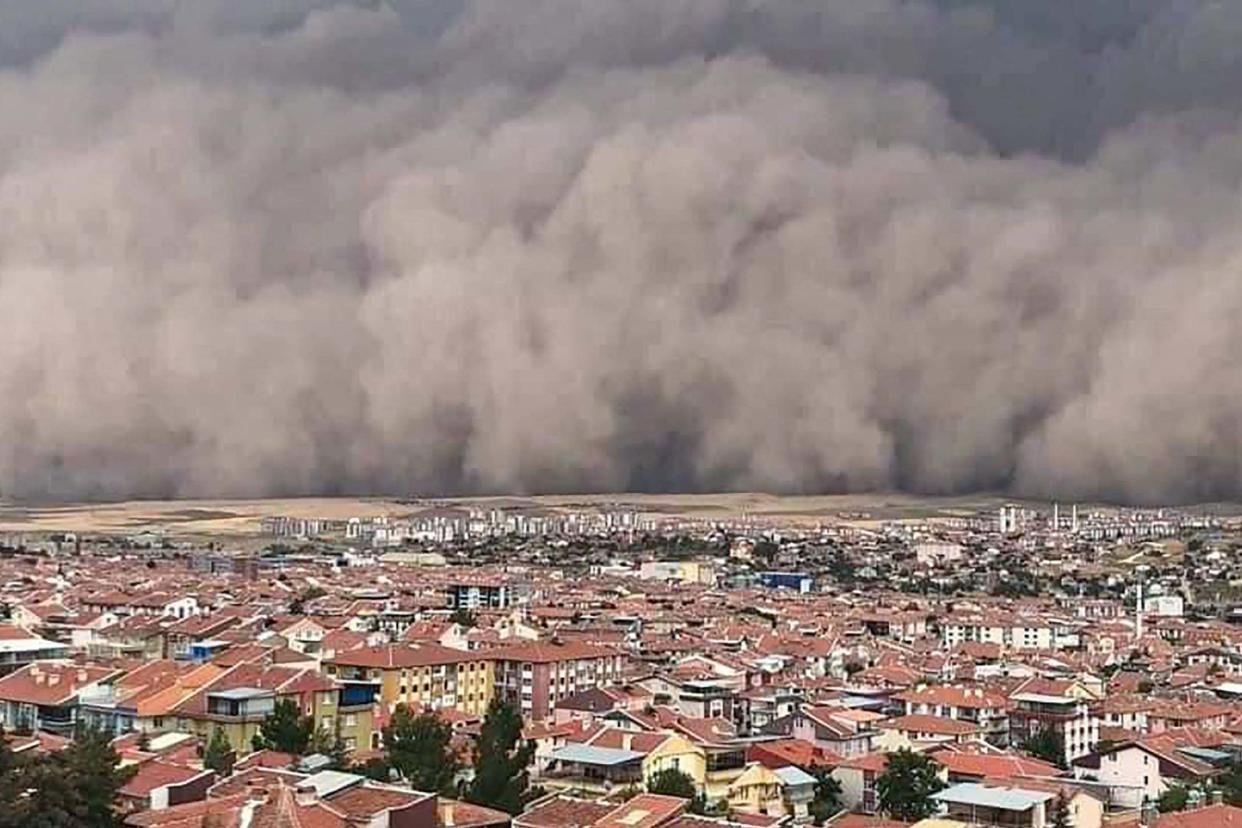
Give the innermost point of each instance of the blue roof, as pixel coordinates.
(1005, 799)
(1206, 754)
(591, 755)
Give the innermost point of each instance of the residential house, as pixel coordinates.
(977, 705)
(44, 695)
(838, 730)
(18, 647)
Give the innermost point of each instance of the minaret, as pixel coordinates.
(1138, 612)
(1074, 519)
(1056, 517)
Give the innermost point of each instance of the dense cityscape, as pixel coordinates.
(1024, 664)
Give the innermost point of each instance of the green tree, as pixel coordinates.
(1046, 744)
(501, 758)
(72, 788)
(906, 786)
(827, 799)
(419, 747)
(1174, 799)
(329, 743)
(672, 782)
(1059, 813)
(285, 729)
(219, 753)
(374, 768)
(94, 767)
(463, 617)
(9, 766)
(1230, 784)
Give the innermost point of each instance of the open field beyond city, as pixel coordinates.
(240, 518)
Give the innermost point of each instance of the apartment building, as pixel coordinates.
(423, 675)
(535, 676)
(1058, 705)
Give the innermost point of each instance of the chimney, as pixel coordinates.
(1217, 797)
(306, 794)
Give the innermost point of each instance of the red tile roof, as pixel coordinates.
(643, 811)
(785, 752)
(1213, 816)
(389, 656)
(563, 812)
(156, 774)
(938, 725)
(51, 683)
(548, 653)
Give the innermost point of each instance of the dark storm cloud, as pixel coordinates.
(281, 247)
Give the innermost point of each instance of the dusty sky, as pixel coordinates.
(282, 247)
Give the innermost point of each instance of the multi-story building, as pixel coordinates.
(19, 648)
(239, 700)
(421, 675)
(535, 676)
(481, 594)
(45, 695)
(1060, 706)
(985, 708)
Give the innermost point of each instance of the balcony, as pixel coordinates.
(991, 817)
(58, 720)
(726, 760)
(241, 704)
(358, 694)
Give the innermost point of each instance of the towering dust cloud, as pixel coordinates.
(255, 247)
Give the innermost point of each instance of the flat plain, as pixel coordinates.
(241, 518)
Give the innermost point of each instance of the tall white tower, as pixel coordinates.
(1056, 517)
